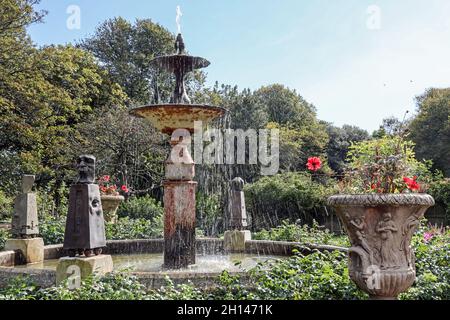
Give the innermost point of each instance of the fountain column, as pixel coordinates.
(179, 204)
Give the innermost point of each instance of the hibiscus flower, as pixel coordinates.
(314, 164)
(412, 183)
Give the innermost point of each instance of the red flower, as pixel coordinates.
(103, 189)
(412, 183)
(124, 189)
(314, 164)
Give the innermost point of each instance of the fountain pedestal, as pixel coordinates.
(178, 119)
(179, 206)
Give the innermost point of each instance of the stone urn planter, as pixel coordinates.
(380, 228)
(110, 204)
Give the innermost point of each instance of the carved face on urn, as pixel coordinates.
(86, 169)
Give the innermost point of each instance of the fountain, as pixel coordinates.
(153, 260)
(177, 119)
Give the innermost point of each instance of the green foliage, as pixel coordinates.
(303, 234)
(6, 207)
(339, 143)
(430, 129)
(115, 286)
(209, 214)
(126, 228)
(440, 190)
(380, 165)
(292, 195)
(145, 207)
(186, 291)
(52, 230)
(4, 235)
(432, 264)
(20, 288)
(318, 276)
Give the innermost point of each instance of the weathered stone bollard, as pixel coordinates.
(85, 227)
(234, 240)
(179, 205)
(25, 226)
(77, 269)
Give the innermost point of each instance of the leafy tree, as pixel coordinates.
(339, 143)
(127, 148)
(44, 94)
(285, 106)
(430, 130)
(126, 50)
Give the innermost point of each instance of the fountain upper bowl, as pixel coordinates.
(168, 117)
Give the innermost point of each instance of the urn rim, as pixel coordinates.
(381, 199)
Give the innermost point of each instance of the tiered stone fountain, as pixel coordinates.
(177, 119)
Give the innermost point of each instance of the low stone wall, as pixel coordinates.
(47, 278)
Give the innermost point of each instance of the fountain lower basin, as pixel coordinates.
(212, 260)
(153, 262)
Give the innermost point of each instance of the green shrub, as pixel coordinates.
(318, 276)
(209, 214)
(52, 230)
(432, 265)
(4, 235)
(141, 208)
(294, 195)
(6, 207)
(126, 228)
(303, 234)
(440, 190)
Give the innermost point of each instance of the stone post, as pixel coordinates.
(84, 236)
(179, 204)
(25, 229)
(234, 239)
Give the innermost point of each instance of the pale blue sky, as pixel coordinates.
(322, 48)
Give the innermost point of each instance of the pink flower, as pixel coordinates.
(427, 236)
(125, 189)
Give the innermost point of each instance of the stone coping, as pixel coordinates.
(47, 278)
(381, 199)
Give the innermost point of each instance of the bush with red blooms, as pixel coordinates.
(108, 188)
(385, 165)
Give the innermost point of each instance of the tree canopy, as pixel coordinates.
(430, 129)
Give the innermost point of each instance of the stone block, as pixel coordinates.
(234, 241)
(32, 250)
(83, 267)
